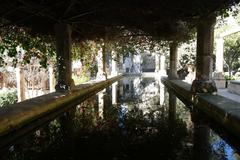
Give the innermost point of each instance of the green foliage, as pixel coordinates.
(13, 38)
(227, 77)
(186, 59)
(231, 9)
(231, 42)
(232, 51)
(222, 24)
(188, 54)
(136, 44)
(86, 52)
(8, 97)
(80, 79)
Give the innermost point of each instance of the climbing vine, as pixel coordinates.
(18, 46)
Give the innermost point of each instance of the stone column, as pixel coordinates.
(120, 63)
(157, 62)
(219, 54)
(101, 59)
(162, 65)
(205, 36)
(51, 79)
(173, 61)
(64, 67)
(218, 74)
(114, 71)
(21, 88)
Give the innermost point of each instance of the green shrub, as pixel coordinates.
(8, 97)
(227, 77)
(80, 79)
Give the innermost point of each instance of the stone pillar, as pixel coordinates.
(219, 55)
(120, 63)
(131, 63)
(218, 74)
(51, 79)
(114, 71)
(64, 66)
(21, 88)
(205, 36)
(173, 61)
(162, 65)
(157, 62)
(101, 59)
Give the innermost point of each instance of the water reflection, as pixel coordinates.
(128, 120)
(101, 96)
(162, 93)
(201, 148)
(67, 130)
(221, 150)
(114, 93)
(172, 107)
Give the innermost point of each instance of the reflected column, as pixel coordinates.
(107, 106)
(201, 134)
(172, 116)
(114, 93)
(162, 93)
(172, 107)
(101, 103)
(67, 129)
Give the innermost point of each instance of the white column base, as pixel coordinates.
(219, 79)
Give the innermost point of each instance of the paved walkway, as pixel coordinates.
(225, 93)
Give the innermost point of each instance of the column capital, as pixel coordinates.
(209, 21)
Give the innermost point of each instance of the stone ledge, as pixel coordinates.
(235, 82)
(36, 111)
(234, 87)
(223, 110)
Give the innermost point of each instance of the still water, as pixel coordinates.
(134, 118)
